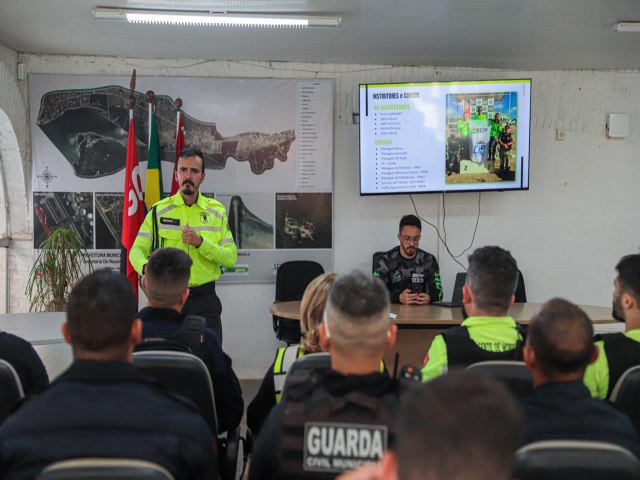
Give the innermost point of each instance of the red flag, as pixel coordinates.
(179, 147)
(133, 209)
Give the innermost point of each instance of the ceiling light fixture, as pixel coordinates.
(627, 27)
(218, 19)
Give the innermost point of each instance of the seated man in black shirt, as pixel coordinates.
(411, 275)
(24, 359)
(102, 406)
(165, 284)
(558, 349)
(311, 432)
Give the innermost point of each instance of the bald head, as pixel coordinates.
(561, 336)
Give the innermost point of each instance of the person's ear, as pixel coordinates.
(64, 328)
(392, 334)
(136, 332)
(143, 283)
(466, 294)
(628, 301)
(594, 354)
(184, 296)
(325, 339)
(389, 466)
(529, 357)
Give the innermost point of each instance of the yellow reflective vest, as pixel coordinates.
(207, 217)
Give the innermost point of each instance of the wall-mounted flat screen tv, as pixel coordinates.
(444, 136)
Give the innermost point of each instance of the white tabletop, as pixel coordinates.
(39, 328)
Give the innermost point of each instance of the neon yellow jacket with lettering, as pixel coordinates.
(494, 334)
(209, 220)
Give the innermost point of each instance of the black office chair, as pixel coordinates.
(515, 375)
(575, 460)
(520, 293)
(105, 469)
(188, 376)
(291, 281)
(376, 257)
(626, 395)
(302, 367)
(11, 391)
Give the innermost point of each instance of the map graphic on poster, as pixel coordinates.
(262, 140)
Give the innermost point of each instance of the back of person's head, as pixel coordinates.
(460, 426)
(492, 278)
(312, 309)
(166, 277)
(561, 337)
(628, 269)
(100, 313)
(410, 221)
(357, 315)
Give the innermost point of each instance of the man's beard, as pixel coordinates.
(188, 188)
(616, 311)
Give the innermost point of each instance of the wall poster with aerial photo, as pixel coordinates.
(267, 143)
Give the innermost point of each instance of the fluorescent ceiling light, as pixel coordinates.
(627, 27)
(218, 19)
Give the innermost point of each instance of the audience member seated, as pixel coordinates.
(411, 275)
(311, 308)
(618, 351)
(487, 333)
(24, 359)
(165, 284)
(559, 347)
(311, 432)
(101, 406)
(461, 426)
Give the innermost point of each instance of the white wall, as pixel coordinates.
(567, 232)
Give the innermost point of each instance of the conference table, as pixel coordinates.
(419, 324)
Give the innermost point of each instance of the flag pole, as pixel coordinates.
(179, 145)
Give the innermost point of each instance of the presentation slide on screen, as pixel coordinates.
(452, 136)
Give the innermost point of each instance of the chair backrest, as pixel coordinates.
(626, 395)
(10, 389)
(515, 375)
(376, 257)
(317, 362)
(293, 277)
(568, 460)
(105, 469)
(183, 374)
(520, 293)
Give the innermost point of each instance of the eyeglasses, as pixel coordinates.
(407, 239)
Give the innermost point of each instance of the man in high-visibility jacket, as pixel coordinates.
(618, 351)
(196, 225)
(489, 333)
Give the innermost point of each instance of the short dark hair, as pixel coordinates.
(167, 276)
(461, 425)
(192, 152)
(492, 277)
(359, 295)
(410, 221)
(561, 335)
(100, 311)
(628, 269)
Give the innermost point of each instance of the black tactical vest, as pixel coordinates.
(189, 338)
(324, 435)
(462, 351)
(622, 353)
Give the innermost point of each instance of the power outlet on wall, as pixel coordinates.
(561, 134)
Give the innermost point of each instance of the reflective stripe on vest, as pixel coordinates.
(284, 359)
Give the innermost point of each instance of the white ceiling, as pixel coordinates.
(510, 34)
